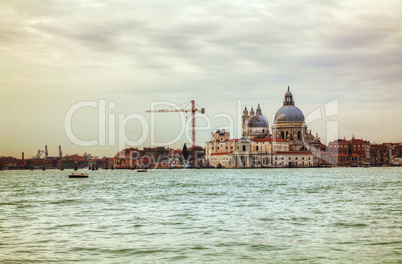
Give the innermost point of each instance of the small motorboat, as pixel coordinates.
(78, 175)
(142, 170)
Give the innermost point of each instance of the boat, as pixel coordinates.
(142, 170)
(78, 175)
(366, 165)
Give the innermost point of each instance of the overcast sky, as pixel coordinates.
(54, 54)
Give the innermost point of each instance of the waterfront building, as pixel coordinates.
(158, 157)
(8, 163)
(289, 145)
(386, 154)
(256, 152)
(70, 161)
(342, 152)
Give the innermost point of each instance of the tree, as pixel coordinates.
(185, 152)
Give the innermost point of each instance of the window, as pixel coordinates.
(256, 148)
(226, 147)
(263, 131)
(244, 148)
(212, 148)
(290, 158)
(296, 158)
(218, 148)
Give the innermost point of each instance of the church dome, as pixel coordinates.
(289, 113)
(258, 121)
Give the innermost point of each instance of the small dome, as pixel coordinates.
(252, 111)
(289, 113)
(245, 111)
(258, 121)
(244, 140)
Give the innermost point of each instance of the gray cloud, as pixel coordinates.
(214, 51)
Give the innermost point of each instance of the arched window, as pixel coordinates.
(282, 135)
(298, 135)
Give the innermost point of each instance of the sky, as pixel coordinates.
(222, 54)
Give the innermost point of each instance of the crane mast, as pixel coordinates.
(193, 110)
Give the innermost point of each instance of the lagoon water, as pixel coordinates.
(321, 215)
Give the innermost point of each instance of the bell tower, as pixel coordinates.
(244, 118)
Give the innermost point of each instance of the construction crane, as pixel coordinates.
(39, 154)
(183, 108)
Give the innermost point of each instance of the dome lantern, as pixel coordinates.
(288, 98)
(259, 110)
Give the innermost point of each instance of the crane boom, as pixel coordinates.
(193, 110)
(167, 110)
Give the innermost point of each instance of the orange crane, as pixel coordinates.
(182, 108)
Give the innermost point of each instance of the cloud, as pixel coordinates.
(214, 51)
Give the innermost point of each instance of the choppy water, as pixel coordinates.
(333, 215)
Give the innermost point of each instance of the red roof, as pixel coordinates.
(268, 140)
(223, 153)
(294, 152)
(338, 155)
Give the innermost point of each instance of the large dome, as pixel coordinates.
(289, 113)
(258, 121)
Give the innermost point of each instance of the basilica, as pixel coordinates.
(289, 145)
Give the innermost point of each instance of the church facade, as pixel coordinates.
(289, 145)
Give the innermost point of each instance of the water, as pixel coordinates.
(328, 215)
